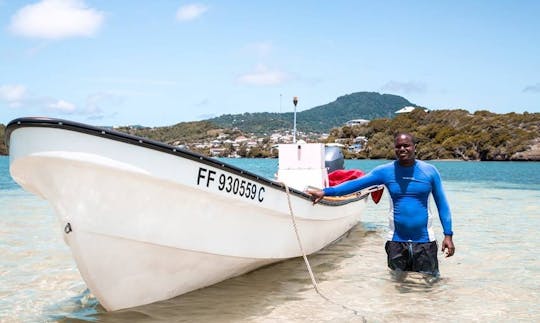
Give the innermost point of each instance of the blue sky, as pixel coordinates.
(162, 62)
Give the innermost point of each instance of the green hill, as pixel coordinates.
(360, 105)
(451, 134)
(441, 134)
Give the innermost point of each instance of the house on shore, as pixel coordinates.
(356, 122)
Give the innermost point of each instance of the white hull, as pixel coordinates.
(146, 224)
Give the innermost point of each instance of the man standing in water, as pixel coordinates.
(411, 245)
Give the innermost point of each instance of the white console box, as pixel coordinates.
(302, 165)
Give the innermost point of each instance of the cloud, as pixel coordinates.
(17, 96)
(190, 12)
(262, 49)
(62, 106)
(14, 95)
(206, 116)
(56, 19)
(202, 103)
(263, 76)
(407, 87)
(140, 81)
(532, 88)
(96, 101)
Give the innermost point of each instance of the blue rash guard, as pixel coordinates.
(409, 188)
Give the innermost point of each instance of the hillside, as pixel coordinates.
(452, 134)
(184, 133)
(359, 105)
(441, 134)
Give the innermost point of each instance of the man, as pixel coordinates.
(411, 245)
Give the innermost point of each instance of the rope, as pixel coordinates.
(313, 281)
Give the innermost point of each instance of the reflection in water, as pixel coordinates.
(409, 282)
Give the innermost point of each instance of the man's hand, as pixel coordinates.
(448, 246)
(316, 194)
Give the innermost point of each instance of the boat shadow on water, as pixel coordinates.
(246, 297)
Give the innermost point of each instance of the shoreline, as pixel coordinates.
(441, 160)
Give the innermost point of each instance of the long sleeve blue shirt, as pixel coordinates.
(409, 188)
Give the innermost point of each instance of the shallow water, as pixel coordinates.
(494, 276)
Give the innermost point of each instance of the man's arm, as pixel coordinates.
(445, 215)
(442, 204)
(372, 178)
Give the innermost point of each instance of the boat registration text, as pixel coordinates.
(230, 184)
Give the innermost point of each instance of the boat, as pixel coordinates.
(146, 221)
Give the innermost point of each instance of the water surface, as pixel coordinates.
(494, 276)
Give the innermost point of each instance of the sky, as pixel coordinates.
(158, 63)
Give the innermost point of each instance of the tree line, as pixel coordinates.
(449, 134)
(440, 134)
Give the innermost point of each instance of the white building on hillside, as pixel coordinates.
(356, 122)
(409, 109)
(405, 110)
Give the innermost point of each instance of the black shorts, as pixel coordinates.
(413, 256)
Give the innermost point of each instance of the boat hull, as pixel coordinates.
(146, 222)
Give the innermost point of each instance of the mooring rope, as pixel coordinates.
(313, 280)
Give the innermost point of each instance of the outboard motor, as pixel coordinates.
(333, 159)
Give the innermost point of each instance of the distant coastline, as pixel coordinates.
(532, 154)
(441, 135)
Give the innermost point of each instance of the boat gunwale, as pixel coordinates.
(111, 134)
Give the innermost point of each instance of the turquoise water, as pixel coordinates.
(6, 182)
(498, 174)
(494, 276)
(495, 174)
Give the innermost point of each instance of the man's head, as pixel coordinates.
(405, 148)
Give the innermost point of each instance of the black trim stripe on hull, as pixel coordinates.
(42, 122)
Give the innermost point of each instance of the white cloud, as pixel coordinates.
(262, 49)
(202, 103)
(190, 12)
(125, 80)
(206, 116)
(407, 87)
(57, 19)
(62, 106)
(12, 94)
(17, 96)
(263, 76)
(96, 101)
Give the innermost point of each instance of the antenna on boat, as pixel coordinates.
(295, 101)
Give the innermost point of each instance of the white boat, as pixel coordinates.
(147, 221)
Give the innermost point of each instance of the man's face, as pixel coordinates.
(404, 149)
